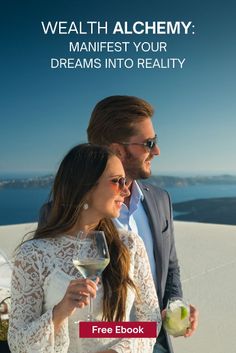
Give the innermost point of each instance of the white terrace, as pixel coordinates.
(207, 256)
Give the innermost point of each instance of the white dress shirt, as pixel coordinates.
(134, 218)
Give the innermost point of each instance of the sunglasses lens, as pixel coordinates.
(151, 144)
(122, 182)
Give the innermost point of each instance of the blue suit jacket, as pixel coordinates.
(158, 208)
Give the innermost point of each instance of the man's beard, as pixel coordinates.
(134, 169)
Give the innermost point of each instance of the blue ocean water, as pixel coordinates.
(193, 192)
(23, 205)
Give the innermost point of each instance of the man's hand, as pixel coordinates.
(194, 314)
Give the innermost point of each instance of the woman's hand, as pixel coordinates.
(76, 296)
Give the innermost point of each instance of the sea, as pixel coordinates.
(23, 205)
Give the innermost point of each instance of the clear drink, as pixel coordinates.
(91, 256)
(91, 267)
(176, 321)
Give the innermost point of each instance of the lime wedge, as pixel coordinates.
(184, 312)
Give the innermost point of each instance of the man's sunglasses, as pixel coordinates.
(120, 182)
(148, 144)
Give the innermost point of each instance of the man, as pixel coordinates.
(124, 124)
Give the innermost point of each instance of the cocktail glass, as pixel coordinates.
(177, 316)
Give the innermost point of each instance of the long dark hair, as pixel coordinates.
(78, 173)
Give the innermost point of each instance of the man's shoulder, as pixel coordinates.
(155, 190)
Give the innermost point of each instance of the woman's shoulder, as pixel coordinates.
(33, 246)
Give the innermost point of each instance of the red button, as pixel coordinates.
(126, 329)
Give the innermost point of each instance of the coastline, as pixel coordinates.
(212, 210)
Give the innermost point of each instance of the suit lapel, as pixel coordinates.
(152, 212)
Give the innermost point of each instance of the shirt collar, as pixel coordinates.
(136, 191)
(136, 197)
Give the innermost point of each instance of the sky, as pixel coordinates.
(45, 111)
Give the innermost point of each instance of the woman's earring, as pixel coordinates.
(85, 206)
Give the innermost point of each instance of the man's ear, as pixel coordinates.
(118, 149)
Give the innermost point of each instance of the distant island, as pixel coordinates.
(215, 210)
(162, 181)
(33, 182)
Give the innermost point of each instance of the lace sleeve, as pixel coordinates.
(146, 304)
(31, 330)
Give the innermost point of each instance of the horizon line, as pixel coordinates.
(163, 173)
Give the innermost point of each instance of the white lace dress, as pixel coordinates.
(42, 271)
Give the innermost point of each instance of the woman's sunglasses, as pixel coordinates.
(120, 182)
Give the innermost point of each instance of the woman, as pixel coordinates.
(48, 293)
